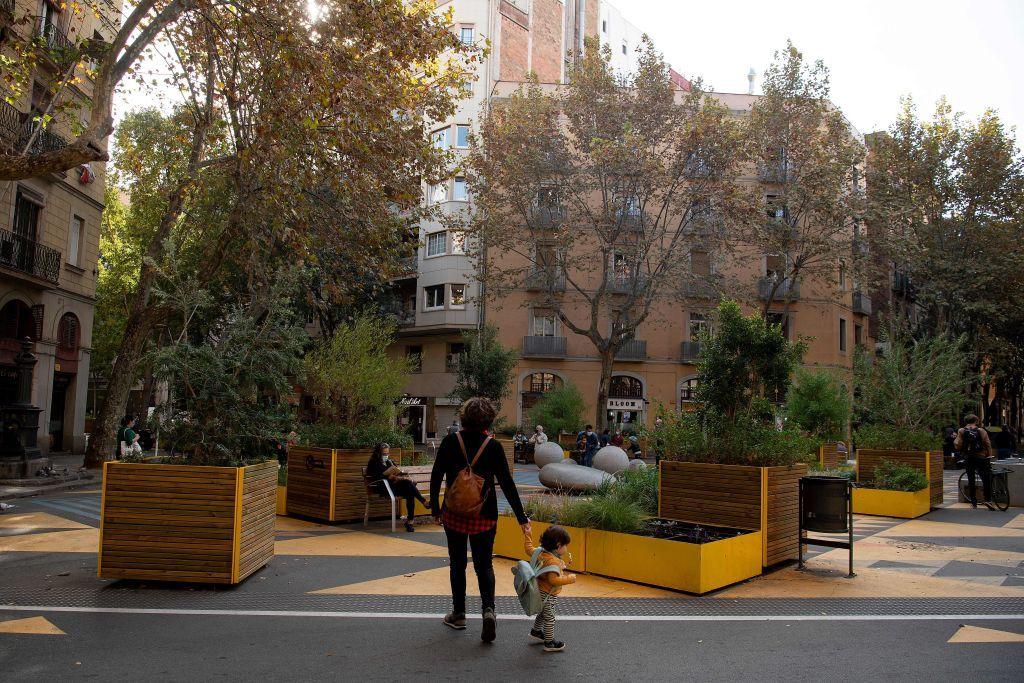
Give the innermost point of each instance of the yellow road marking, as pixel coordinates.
(38, 520)
(37, 626)
(976, 634)
(74, 541)
(436, 582)
(358, 544)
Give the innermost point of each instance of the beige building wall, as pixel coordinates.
(57, 283)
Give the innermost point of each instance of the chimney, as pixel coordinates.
(750, 81)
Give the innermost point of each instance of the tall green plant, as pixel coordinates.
(819, 404)
(559, 410)
(485, 367)
(355, 381)
(913, 387)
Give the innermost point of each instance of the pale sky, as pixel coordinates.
(970, 51)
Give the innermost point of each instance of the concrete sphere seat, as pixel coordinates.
(547, 453)
(611, 459)
(564, 477)
(637, 465)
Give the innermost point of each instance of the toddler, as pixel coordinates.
(555, 543)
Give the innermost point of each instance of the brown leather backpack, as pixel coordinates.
(465, 496)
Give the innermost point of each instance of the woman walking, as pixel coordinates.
(470, 462)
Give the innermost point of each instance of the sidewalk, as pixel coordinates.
(72, 462)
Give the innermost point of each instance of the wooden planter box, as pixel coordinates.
(764, 499)
(509, 541)
(326, 484)
(184, 523)
(282, 500)
(924, 461)
(828, 456)
(510, 451)
(904, 504)
(692, 567)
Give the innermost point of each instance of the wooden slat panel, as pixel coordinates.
(702, 493)
(350, 492)
(783, 512)
(309, 482)
(259, 508)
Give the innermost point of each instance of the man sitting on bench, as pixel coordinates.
(380, 467)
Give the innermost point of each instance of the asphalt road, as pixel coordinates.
(124, 647)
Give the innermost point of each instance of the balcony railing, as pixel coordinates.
(10, 125)
(62, 50)
(16, 129)
(704, 288)
(624, 284)
(689, 351)
(544, 347)
(28, 256)
(778, 172)
(544, 281)
(861, 303)
(7, 8)
(407, 266)
(634, 349)
(548, 216)
(786, 288)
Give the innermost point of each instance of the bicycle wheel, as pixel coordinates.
(1000, 493)
(962, 486)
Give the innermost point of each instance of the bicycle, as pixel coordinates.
(1000, 488)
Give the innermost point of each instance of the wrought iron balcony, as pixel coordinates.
(544, 347)
(786, 288)
(778, 172)
(624, 284)
(707, 287)
(16, 128)
(62, 49)
(28, 256)
(545, 281)
(689, 351)
(547, 216)
(861, 303)
(11, 122)
(634, 349)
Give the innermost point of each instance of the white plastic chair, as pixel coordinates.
(372, 493)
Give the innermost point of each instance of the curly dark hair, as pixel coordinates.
(477, 414)
(553, 537)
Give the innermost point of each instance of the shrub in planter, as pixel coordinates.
(207, 514)
(890, 437)
(895, 476)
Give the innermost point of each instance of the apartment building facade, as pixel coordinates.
(441, 297)
(49, 242)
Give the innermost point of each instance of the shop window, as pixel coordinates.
(623, 386)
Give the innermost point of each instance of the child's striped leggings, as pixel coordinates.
(545, 621)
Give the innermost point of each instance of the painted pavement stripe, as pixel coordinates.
(517, 617)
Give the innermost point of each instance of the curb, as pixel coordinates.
(29, 492)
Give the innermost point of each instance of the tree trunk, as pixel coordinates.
(122, 376)
(604, 387)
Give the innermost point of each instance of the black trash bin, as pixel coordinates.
(824, 504)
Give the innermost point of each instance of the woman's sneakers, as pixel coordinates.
(489, 631)
(455, 621)
(409, 526)
(554, 646)
(536, 636)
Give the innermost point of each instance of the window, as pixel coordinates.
(26, 217)
(467, 89)
(623, 386)
(451, 359)
(620, 268)
(466, 35)
(437, 244)
(858, 335)
(414, 354)
(699, 323)
(780, 319)
(438, 193)
(541, 382)
(462, 136)
(548, 197)
(433, 297)
(774, 208)
(842, 335)
(67, 332)
(775, 266)
(546, 258)
(461, 191)
(458, 299)
(604, 26)
(543, 323)
(440, 138)
(76, 236)
(18, 321)
(688, 390)
(700, 262)
(458, 242)
(623, 48)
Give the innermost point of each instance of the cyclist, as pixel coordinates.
(973, 443)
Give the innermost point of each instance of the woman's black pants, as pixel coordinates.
(481, 545)
(403, 488)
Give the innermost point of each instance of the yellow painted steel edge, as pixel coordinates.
(902, 504)
(764, 516)
(334, 484)
(236, 540)
(103, 513)
(282, 500)
(508, 542)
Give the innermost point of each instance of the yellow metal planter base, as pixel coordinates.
(689, 567)
(902, 504)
